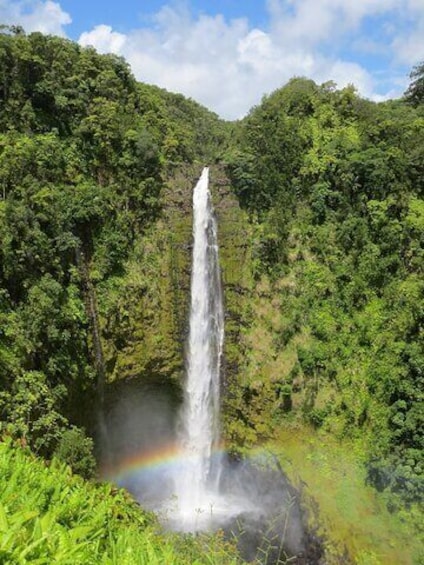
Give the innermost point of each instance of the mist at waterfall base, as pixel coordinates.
(165, 449)
(254, 502)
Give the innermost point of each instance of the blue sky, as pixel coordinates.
(127, 14)
(228, 53)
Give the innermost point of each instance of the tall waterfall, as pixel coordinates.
(199, 432)
(180, 475)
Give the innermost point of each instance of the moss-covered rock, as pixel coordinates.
(144, 311)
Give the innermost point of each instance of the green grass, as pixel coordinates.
(48, 515)
(351, 516)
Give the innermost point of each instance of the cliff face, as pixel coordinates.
(235, 253)
(144, 313)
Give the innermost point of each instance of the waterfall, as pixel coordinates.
(199, 434)
(179, 475)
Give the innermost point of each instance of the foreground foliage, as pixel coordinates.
(47, 515)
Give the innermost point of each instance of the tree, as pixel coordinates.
(415, 93)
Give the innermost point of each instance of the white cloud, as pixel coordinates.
(315, 22)
(409, 49)
(408, 44)
(104, 39)
(344, 73)
(228, 65)
(35, 15)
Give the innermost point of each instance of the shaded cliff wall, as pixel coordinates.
(144, 312)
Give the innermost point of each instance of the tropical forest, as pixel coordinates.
(314, 251)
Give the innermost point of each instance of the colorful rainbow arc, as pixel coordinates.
(152, 460)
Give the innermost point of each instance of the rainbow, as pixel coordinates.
(151, 461)
(168, 456)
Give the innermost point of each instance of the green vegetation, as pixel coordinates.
(352, 518)
(333, 184)
(47, 515)
(84, 154)
(322, 267)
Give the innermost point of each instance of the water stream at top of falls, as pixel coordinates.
(199, 433)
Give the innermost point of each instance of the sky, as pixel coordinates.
(226, 54)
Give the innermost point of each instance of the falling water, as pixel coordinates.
(200, 413)
(195, 490)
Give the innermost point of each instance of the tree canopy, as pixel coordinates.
(335, 183)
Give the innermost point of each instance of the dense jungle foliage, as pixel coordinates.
(84, 150)
(333, 187)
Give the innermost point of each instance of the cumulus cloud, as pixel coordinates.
(320, 22)
(228, 65)
(104, 39)
(35, 15)
(408, 44)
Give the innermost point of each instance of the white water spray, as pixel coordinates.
(196, 487)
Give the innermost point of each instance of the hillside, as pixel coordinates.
(334, 185)
(318, 195)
